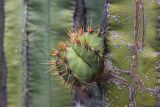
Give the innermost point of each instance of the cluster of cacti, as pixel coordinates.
(81, 58)
(31, 30)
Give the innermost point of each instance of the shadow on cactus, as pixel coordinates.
(80, 59)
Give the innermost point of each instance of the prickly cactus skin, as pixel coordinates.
(81, 58)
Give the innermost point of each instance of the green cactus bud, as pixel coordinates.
(81, 58)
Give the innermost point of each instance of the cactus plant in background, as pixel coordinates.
(113, 64)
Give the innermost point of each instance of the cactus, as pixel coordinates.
(81, 49)
(114, 64)
(12, 36)
(139, 46)
(27, 81)
(120, 38)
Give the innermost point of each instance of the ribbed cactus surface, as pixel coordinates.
(123, 72)
(31, 25)
(140, 17)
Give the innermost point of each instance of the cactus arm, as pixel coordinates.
(3, 69)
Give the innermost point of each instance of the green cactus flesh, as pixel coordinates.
(13, 35)
(121, 36)
(82, 58)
